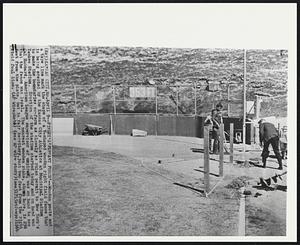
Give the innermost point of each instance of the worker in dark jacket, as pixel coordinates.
(217, 120)
(209, 122)
(269, 135)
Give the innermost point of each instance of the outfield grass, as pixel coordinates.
(104, 193)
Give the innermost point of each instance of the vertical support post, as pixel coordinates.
(206, 159)
(228, 96)
(75, 99)
(112, 130)
(228, 92)
(156, 111)
(257, 106)
(245, 105)
(231, 142)
(177, 99)
(156, 105)
(252, 134)
(279, 131)
(221, 156)
(195, 98)
(114, 98)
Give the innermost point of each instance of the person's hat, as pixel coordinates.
(219, 105)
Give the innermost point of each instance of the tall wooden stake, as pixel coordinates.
(221, 155)
(206, 159)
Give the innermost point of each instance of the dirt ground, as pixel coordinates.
(122, 185)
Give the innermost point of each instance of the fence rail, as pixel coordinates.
(177, 100)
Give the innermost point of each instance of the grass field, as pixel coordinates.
(107, 185)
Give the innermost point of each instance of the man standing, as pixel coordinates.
(219, 108)
(209, 122)
(269, 135)
(217, 120)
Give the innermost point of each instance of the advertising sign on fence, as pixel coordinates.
(142, 92)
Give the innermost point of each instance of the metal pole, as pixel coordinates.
(75, 99)
(257, 106)
(257, 112)
(228, 96)
(245, 105)
(156, 100)
(114, 97)
(195, 98)
(177, 100)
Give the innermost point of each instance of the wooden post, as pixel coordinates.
(231, 142)
(206, 159)
(75, 99)
(221, 155)
(114, 98)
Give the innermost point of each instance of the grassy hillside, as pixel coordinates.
(105, 66)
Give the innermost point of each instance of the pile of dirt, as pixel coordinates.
(238, 182)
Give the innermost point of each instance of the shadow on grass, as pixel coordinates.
(198, 150)
(261, 166)
(269, 188)
(189, 187)
(209, 173)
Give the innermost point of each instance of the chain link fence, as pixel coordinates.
(165, 99)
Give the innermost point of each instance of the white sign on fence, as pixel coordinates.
(250, 107)
(142, 92)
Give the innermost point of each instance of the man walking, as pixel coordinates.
(269, 135)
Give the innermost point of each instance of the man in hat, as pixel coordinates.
(209, 122)
(269, 135)
(217, 120)
(219, 108)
